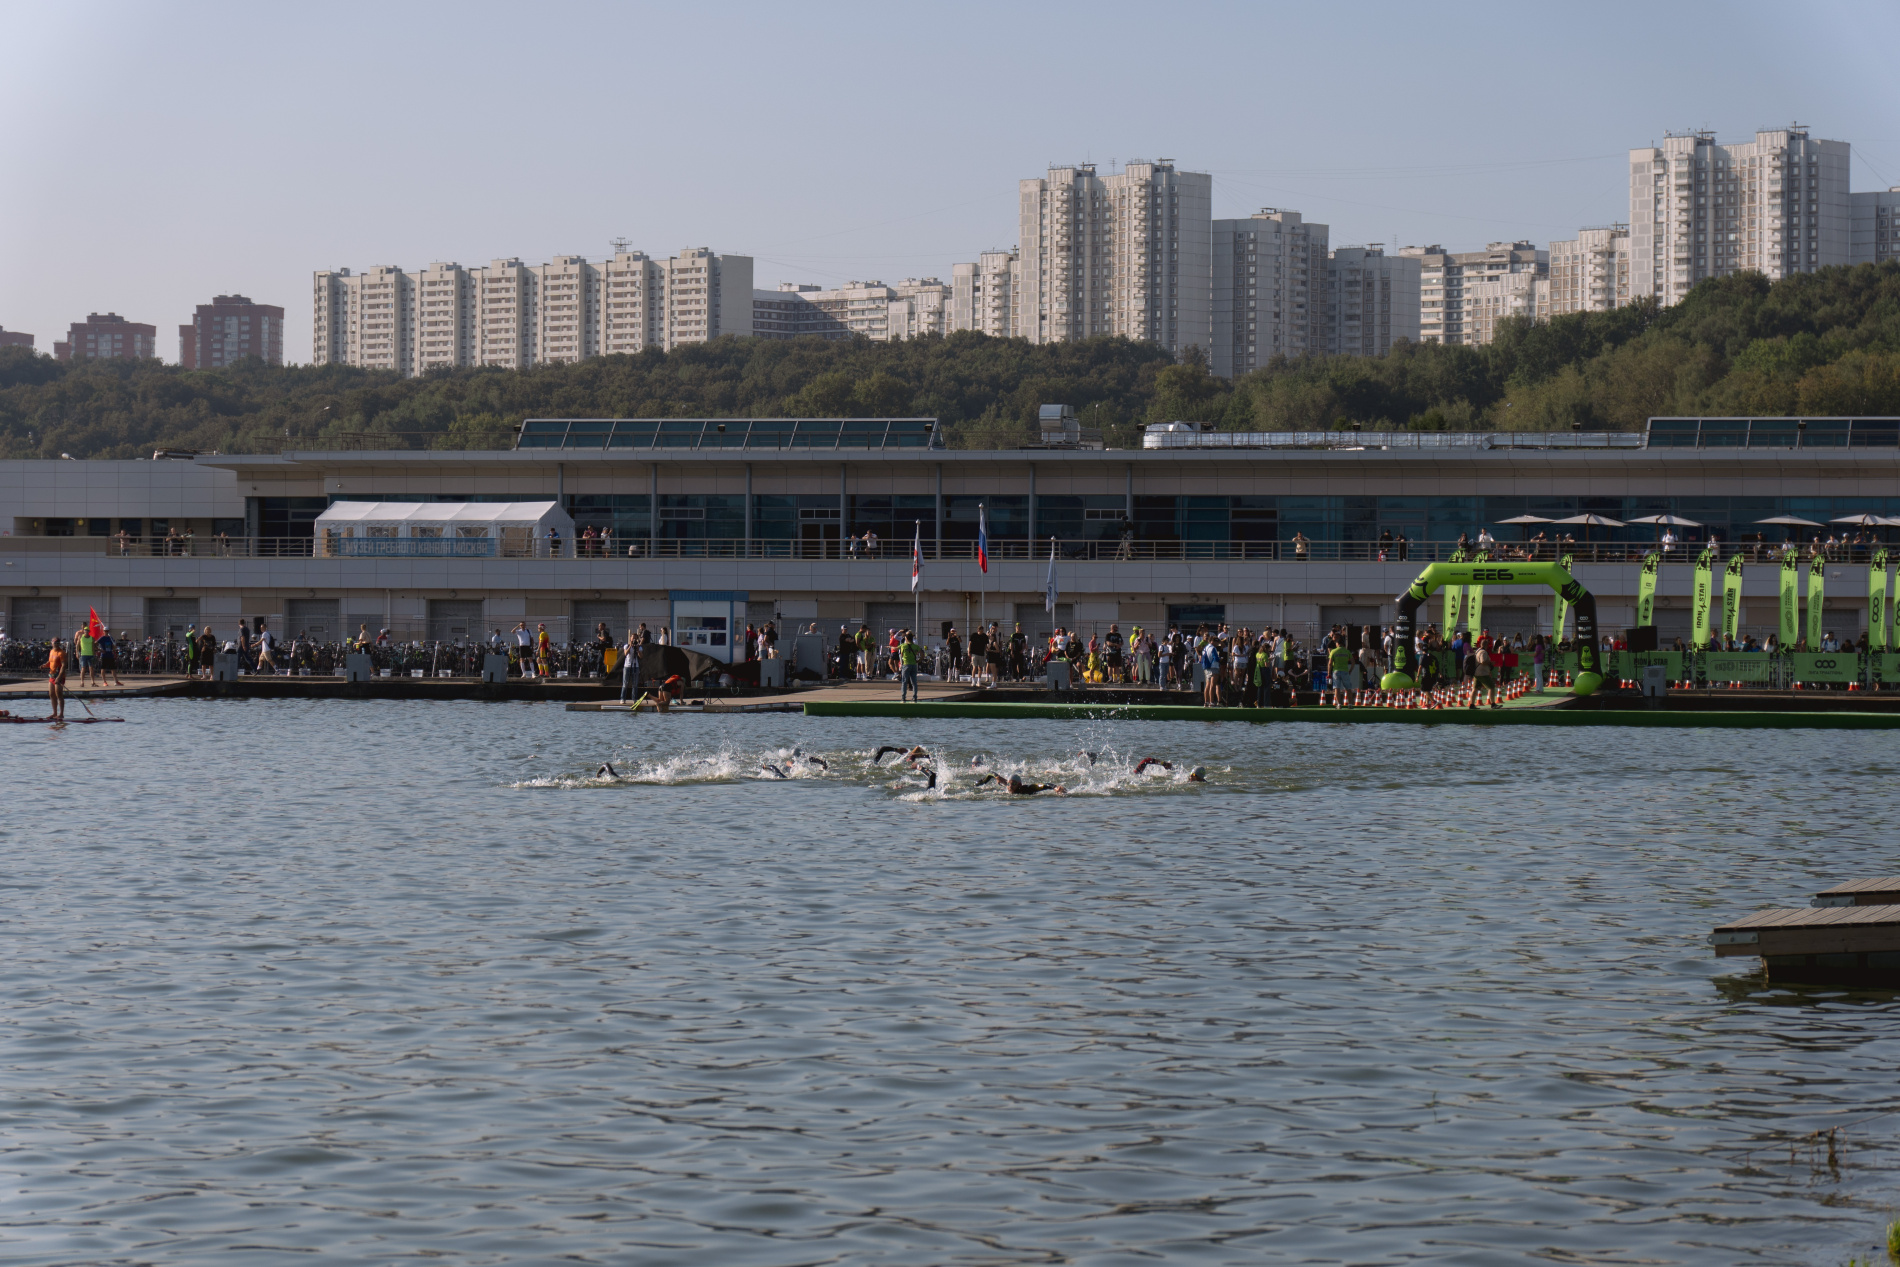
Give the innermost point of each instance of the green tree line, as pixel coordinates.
(1821, 343)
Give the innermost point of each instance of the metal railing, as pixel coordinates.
(898, 549)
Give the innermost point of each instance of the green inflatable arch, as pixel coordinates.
(1589, 662)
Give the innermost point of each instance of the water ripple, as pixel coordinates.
(370, 981)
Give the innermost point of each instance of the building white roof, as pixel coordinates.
(497, 513)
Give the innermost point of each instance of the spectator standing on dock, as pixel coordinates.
(108, 657)
(88, 651)
(543, 650)
(629, 665)
(908, 654)
(1338, 669)
(266, 644)
(979, 654)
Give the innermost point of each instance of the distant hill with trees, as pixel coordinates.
(1823, 343)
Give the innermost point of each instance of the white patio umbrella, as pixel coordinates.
(1862, 520)
(1793, 521)
(1525, 521)
(1591, 521)
(1672, 521)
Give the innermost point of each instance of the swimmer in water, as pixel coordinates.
(607, 771)
(798, 754)
(1017, 787)
(1198, 774)
(774, 771)
(1145, 762)
(912, 755)
(1091, 756)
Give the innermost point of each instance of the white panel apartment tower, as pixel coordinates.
(1128, 254)
(1270, 289)
(516, 315)
(362, 318)
(983, 295)
(1777, 205)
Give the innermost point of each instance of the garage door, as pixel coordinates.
(169, 616)
(454, 620)
(34, 619)
(317, 618)
(589, 614)
(881, 618)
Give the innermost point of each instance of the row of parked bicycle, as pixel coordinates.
(171, 657)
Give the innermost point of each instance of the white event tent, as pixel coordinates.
(514, 529)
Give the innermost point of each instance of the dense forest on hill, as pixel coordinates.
(1824, 343)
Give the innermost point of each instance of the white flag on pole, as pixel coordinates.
(1049, 594)
(917, 555)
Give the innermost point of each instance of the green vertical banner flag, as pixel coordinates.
(1817, 586)
(1790, 632)
(1646, 589)
(1563, 605)
(1704, 597)
(1454, 599)
(1732, 601)
(1474, 602)
(1878, 604)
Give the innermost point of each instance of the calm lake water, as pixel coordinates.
(363, 982)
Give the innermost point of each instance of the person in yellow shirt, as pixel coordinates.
(83, 640)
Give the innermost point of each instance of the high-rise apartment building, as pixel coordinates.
(1590, 272)
(1372, 300)
(1128, 254)
(228, 329)
(863, 310)
(14, 339)
(107, 334)
(516, 315)
(362, 318)
(920, 306)
(1491, 298)
(1446, 279)
(633, 293)
(567, 298)
(1270, 291)
(984, 295)
(1777, 205)
(1876, 226)
(443, 324)
(789, 313)
(504, 314)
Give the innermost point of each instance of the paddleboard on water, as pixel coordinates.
(75, 721)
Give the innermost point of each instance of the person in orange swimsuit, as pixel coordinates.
(56, 680)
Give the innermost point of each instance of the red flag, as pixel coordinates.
(93, 628)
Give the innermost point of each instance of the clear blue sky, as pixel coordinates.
(154, 155)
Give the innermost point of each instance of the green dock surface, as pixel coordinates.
(1520, 715)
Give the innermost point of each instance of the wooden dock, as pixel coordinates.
(1836, 944)
(24, 692)
(1882, 891)
(792, 701)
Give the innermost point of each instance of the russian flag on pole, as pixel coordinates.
(982, 538)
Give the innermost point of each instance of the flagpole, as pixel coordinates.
(916, 594)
